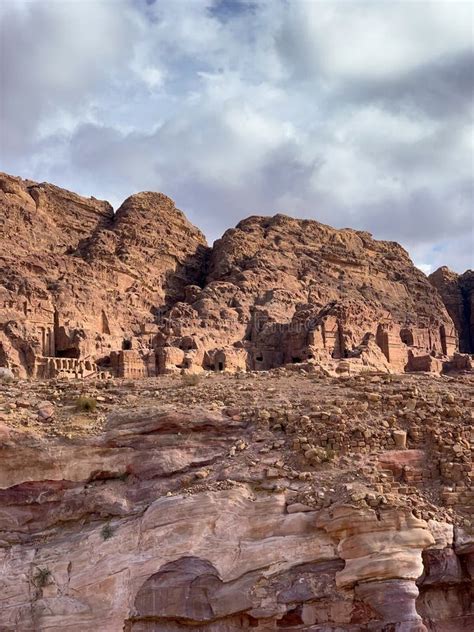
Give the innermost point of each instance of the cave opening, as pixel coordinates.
(3, 356)
(406, 336)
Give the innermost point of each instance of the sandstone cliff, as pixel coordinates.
(346, 285)
(457, 292)
(280, 503)
(79, 282)
(86, 291)
(317, 489)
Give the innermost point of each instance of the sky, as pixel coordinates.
(357, 114)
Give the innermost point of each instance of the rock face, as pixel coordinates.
(172, 520)
(87, 292)
(79, 284)
(457, 292)
(302, 290)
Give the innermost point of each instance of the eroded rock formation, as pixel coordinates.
(457, 292)
(305, 291)
(86, 291)
(80, 283)
(309, 493)
(177, 518)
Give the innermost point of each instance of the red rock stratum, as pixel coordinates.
(88, 292)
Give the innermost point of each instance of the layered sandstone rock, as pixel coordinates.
(80, 282)
(302, 290)
(457, 292)
(85, 291)
(320, 496)
(179, 519)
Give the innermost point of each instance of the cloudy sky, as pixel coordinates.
(355, 113)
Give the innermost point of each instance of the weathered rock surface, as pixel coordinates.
(176, 517)
(304, 290)
(318, 491)
(80, 282)
(457, 292)
(86, 292)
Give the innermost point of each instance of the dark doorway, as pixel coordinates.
(381, 338)
(3, 356)
(406, 336)
(68, 353)
(442, 335)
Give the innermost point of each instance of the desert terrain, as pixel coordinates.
(274, 432)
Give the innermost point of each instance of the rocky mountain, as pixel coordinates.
(347, 286)
(86, 291)
(283, 474)
(79, 281)
(457, 293)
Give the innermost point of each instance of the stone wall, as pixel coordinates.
(133, 364)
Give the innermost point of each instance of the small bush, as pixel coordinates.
(330, 454)
(86, 404)
(107, 532)
(42, 577)
(191, 379)
(6, 375)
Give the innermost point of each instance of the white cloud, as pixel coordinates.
(354, 40)
(354, 113)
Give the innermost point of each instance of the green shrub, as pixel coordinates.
(42, 577)
(191, 379)
(330, 454)
(86, 404)
(107, 532)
